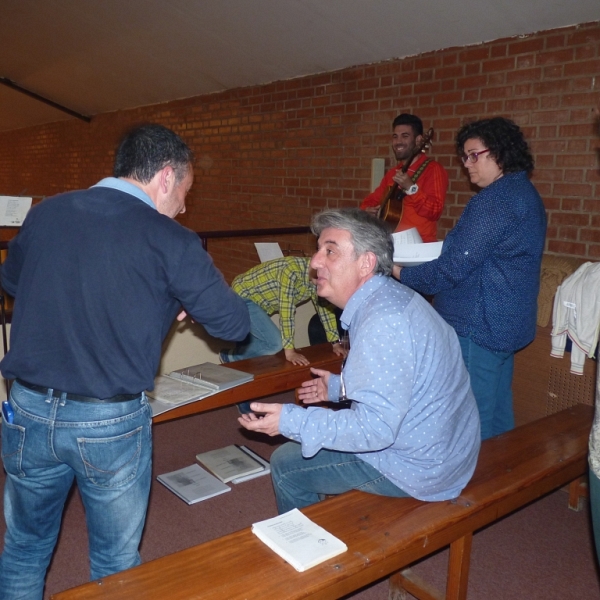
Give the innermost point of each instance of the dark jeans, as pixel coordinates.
(316, 331)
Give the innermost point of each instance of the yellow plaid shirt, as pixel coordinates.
(278, 286)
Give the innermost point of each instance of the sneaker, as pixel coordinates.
(224, 356)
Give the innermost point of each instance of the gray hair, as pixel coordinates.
(368, 233)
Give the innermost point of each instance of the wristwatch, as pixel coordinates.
(413, 189)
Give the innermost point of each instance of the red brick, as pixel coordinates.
(521, 75)
(500, 64)
(498, 50)
(556, 41)
(495, 107)
(476, 53)
(584, 67)
(533, 44)
(561, 56)
(472, 69)
(497, 92)
(521, 104)
(566, 248)
(594, 251)
(568, 233)
(590, 235)
(563, 218)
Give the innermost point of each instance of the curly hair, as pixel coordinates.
(503, 138)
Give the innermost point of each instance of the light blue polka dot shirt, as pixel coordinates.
(413, 415)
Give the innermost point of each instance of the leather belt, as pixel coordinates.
(58, 394)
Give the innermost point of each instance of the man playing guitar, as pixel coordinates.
(422, 190)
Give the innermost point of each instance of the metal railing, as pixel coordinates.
(233, 233)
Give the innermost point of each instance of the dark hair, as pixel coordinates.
(503, 138)
(369, 234)
(147, 149)
(408, 119)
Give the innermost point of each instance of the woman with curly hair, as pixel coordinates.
(485, 282)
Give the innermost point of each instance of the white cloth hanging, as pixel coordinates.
(576, 314)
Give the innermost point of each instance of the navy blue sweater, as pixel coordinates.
(487, 279)
(98, 277)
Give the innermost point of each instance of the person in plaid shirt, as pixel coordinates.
(279, 286)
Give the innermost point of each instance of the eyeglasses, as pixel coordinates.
(472, 158)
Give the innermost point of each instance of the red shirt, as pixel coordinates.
(423, 209)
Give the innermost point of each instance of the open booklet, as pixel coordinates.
(233, 463)
(192, 383)
(411, 251)
(298, 540)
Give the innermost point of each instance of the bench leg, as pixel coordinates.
(406, 581)
(458, 568)
(578, 489)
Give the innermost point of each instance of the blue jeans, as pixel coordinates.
(107, 449)
(595, 508)
(300, 481)
(264, 339)
(491, 376)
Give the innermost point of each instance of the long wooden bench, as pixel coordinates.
(384, 535)
(272, 375)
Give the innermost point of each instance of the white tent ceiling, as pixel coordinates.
(96, 56)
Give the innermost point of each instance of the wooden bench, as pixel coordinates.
(272, 375)
(384, 535)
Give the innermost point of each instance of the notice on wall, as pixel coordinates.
(13, 210)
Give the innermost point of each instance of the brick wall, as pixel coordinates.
(272, 155)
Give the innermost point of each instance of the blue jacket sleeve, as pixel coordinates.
(482, 226)
(204, 294)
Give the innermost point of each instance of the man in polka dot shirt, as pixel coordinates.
(412, 428)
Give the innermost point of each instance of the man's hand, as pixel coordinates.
(267, 423)
(403, 180)
(340, 350)
(372, 210)
(295, 357)
(396, 269)
(315, 390)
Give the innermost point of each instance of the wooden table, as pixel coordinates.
(272, 375)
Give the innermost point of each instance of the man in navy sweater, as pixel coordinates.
(98, 276)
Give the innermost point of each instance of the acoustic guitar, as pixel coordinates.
(390, 209)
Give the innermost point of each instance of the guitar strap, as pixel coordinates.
(401, 193)
(420, 170)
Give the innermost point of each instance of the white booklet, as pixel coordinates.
(229, 463)
(298, 540)
(411, 251)
(193, 484)
(192, 383)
